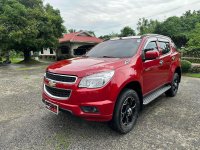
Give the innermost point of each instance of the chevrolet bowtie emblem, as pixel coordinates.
(52, 83)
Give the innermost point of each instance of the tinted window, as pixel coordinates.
(115, 48)
(151, 45)
(165, 47)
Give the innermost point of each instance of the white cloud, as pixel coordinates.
(106, 16)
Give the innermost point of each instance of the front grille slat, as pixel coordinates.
(61, 78)
(55, 92)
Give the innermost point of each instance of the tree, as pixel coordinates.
(127, 31)
(72, 30)
(194, 38)
(28, 25)
(92, 33)
(178, 28)
(109, 36)
(147, 26)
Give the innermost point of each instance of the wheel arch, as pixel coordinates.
(178, 70)
(134, 85)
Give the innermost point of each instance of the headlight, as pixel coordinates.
(96, 80)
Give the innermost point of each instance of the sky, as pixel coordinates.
(107, 16)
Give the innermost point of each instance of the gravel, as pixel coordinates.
(166, 123)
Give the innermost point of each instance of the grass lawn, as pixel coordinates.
(16, 60)
(194, 75)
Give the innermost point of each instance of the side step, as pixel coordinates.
(152, 96)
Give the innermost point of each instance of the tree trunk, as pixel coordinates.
(7, 57)
(27, 55)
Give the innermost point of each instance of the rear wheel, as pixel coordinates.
(174, 86)
(126, 111)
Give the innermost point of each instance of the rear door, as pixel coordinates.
(151, 69)
(165, 59)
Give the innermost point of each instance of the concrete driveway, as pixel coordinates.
(167, 123)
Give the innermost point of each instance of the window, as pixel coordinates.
(82, 50)
(42, 51)
(151, 45)
(165, 47)
(51, 51)
(64, 50)
(122, 48)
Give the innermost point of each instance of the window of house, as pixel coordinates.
(64, 49)
(82, 50)
(165, 47)
(51, 51)
(42, 51)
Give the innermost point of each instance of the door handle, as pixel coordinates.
(161, 62)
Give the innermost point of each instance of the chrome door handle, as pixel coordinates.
(161, 62)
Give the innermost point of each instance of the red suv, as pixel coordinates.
(114, 80)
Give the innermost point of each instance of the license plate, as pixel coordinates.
(52, 107)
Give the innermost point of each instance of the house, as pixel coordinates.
(71, 45)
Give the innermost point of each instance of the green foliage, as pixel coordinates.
(147, 26)
(27, 25)
(194, 37)
(191, 52)
(110, 36)
(127, 31)
(192, 59)
(194, 75)
(178, 28)
(195, 69)
(186, 65)
(72, 30)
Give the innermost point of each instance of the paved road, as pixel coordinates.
(167, 123)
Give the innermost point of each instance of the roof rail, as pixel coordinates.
(155, 35)
(124, 38)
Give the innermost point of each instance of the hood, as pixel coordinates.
(83, 66)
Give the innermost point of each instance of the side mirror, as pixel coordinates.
(150, 55)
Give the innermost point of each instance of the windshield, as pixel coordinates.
(122, 48)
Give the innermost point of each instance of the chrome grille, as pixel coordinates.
(61, 78)
(57, 93)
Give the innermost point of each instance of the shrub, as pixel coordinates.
(190, 52)
(186, 65)
(195, 69)
(192, 59)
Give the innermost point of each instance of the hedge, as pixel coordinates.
(195, 69)
(191, 59)
(186, 65)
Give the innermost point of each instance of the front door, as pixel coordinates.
(165, 48)
(151, 70)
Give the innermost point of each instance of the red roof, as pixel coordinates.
(79, 37)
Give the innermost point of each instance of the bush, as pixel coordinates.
(190, 52)
(195, 69)
(186, 65)
(192, 59)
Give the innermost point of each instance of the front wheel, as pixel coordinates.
(126, 111)
(174, 86)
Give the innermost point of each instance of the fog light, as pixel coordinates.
(89, 109)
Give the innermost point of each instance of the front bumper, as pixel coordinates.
(99, 98)
(77, 111)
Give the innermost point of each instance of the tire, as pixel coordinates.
(174, 86)
(126, 111)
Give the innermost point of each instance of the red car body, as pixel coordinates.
(146, 75)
